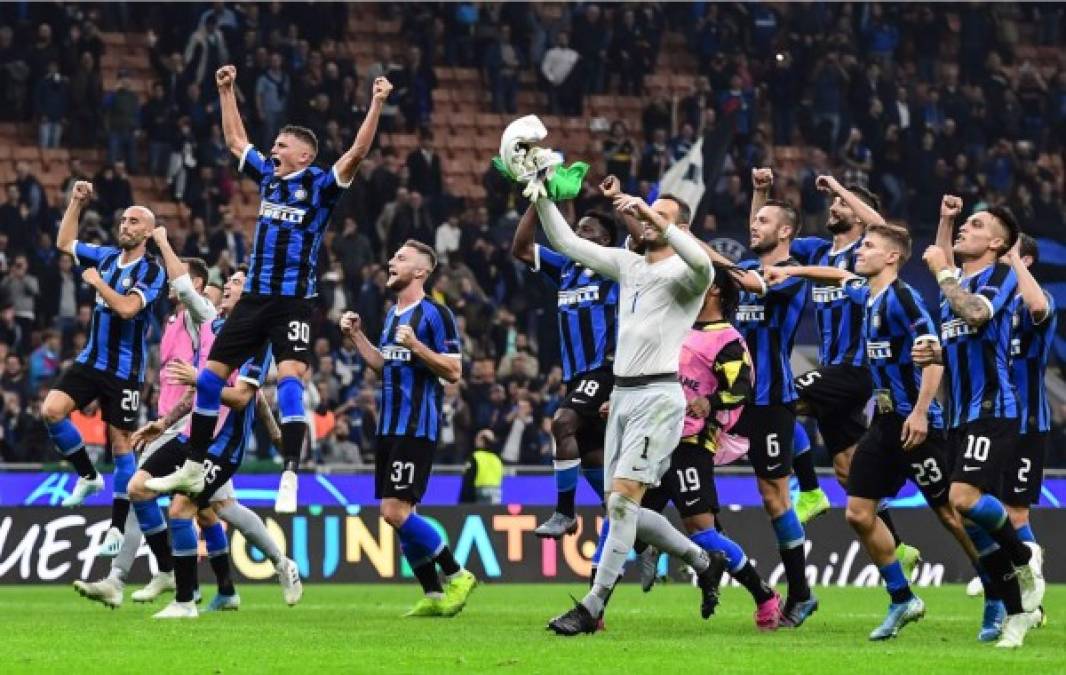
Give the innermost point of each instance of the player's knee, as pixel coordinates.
(137, 490)
(206, 518)
(1019, 515)
(181, 507)
(621, 507)
(395, 512)
(564, 424)
(963, 496)
(54, 409)
(860, 517)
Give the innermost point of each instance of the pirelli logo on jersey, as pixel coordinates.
(1015, 346)
(751, 313)
(394, 353)
(579, 295)
(286, 214)
(956, 328)
(879, 350)
(826, 294)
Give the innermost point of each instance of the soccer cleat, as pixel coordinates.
(709, 582)
(224, 603)
(556, 527)
(768, 614)
(795, 613)
(292, 589)
(457, 592)
(112, 543)
(286, 499)
(1014, 630)
(992, 621)
(899, 615)
(161, 583)
(975, 587)
(84, 488)
(1039, 617)
(189, 478)
(908, 557)
(1031, 578)
(648, 564)
(811, 504)
(575, 621)
(178, 610)
(107, 591)
(426, 607)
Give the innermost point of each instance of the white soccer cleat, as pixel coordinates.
(188, 479)
(161, 583)
(106, 591)
(112, 543)
(84, 488)
(1014, 630)
(286, 499)
(1031, 579)
(975, 588)
(292, 589)
(178, 610)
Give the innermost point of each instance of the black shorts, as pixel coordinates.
(980, 451)
(836, 397)
(770, 430)
(171, 456)
(588, 391)
(1025, 474)
(120, 400)
(688, 483)
(402, 465)
(881, 466)
(284, 323)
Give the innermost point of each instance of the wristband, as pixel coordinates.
(944, 275)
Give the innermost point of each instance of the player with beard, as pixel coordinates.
(110, 369)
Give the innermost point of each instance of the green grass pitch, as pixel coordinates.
(358, 629)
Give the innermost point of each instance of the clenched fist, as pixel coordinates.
(950, 206)
(827, 184)
(91, 276)
(159, 235)
(610, 187)
(225, 76)
(762, 179)
(82, 191)
(405, 337)
(351, 324)
(382, 89)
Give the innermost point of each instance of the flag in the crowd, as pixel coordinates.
(685, 178)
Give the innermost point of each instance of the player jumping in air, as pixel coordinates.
(419, 346)
(111, 367)
(975, 330)
(277, 303)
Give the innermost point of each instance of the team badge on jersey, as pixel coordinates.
(127, 282)
(300, 194)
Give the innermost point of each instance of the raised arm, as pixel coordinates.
(606, 261)
(864, 211)
(762, 180)
(950, 207)
(349, 161)
(611, 188)
(352, 326)
(1032, 294)
(199, 307)
(232, 126)
(80, 195)
(523, 245)
(975, 310)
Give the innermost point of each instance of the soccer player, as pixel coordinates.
(419, 346)
(588, 317)
(983, 409)
(282, 280)
(660, 295)
(906, 436)
(111, 367)
(768, 317)
(715, 374)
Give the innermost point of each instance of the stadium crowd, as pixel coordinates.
(873, 93)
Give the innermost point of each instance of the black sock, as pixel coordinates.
(803, 467)
(426, 573)
(201, 433)
(220, 564)
(886, 518)
(795, 563)
(1001, 573)
(639, 546)
(184, 577)
(292, 443)
(447, 562)
(564, 503)
(159, 544)
(901, 595)
(592, 577)
(1007, 538)
(749, 579)
(120, 510)
(82, 464)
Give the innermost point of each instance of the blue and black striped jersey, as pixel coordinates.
(588, 312)
(1030, 349)
(839, 321)
(411, 393)
(238, 428)
(115, 345)
(293, 216)
(768, 324)
(893, 320)
(977, 359)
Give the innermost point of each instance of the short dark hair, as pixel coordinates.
(791, 215)
(866, 195)
(197, 269)
(728, 288)
(302, 133)
(1028, 247)
(424, 249)
(1006, 217)
(606, 221)
(895, 234)
(684, 212)
(243, 268)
